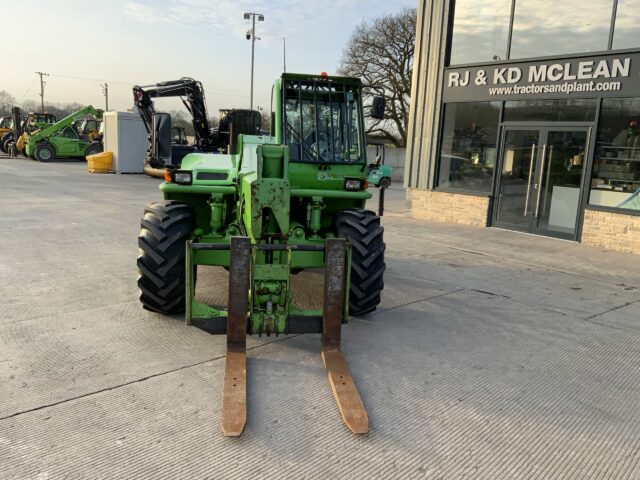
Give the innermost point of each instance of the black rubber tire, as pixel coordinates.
(6, 139)
(385, 182)
(43, 152)
(164, 229)
(92, 149)
(363, 231)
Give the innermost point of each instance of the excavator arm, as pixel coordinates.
(191, 93)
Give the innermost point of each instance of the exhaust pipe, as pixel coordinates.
(154, 172)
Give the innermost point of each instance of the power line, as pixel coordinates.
(28, 90)
(129, 84)
(73, 77)
(42, 83)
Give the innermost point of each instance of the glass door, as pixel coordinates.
(560, 179)
(541, 173)
(520, 152)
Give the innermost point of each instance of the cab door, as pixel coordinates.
(68, 143)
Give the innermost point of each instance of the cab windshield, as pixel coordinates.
(321, 121)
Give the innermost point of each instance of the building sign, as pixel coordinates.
(586, 77)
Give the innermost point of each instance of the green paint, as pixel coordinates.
(62, 136)
(260, 191)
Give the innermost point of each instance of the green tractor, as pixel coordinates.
(278, 204)
(62, 139)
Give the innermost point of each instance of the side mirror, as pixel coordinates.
(377, 108)
(161, 140)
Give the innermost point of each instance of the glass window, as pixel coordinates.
(321, 123)
(480, 33)
(615, 181)
(575, 110)
(627, 33)
(468, 152)
(552, 27)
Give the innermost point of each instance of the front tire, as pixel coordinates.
(92, 150)
(363, 231)
(6, 140)
(42, 153)
(164, 229)
(385, 182)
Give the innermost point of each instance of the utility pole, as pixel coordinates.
(42, 84)
(284, 53)
(251, 35)
(105, 92)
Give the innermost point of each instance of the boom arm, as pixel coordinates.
(190, 92)
(65, 122)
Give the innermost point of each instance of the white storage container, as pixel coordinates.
(128, 140)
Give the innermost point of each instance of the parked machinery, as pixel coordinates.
(23, 125)
(179, 135)
(273, 206)
(232, 123)
(62, 139)
(5, 125)
(91, 128)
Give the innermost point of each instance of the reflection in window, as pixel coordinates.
(551, 27)
(615, 181)
(468, 153)
(480, 33)
(627, 33)
(574, 110)
(321, 124)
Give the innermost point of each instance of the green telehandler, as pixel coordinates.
(62, 139)
(276, 205)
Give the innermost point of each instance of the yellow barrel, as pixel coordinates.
(100, 162)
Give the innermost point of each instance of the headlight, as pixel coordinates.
(183, 178)
(353, 184)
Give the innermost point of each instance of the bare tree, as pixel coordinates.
(6, 102)
(214, 121)
(30, 106)
(181, 119)
(265, 120)
(381, 54)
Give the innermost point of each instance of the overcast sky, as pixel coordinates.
(126, 42)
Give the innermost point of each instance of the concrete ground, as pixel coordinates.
(493, 355)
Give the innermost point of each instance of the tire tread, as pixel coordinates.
(164, 229)
(365, 234)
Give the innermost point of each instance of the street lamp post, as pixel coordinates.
(251, 35)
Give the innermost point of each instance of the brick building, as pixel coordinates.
(525, 115)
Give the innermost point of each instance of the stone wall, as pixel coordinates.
(615, 231)
(448, 207)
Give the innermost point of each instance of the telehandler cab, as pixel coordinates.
(91, 128)
(277, 204)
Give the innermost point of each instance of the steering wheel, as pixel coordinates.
(319, 144)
